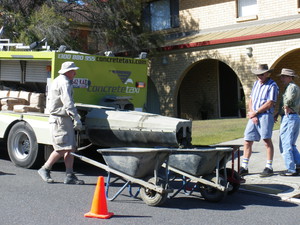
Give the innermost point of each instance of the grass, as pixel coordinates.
(208, 132)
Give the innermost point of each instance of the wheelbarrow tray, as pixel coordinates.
(199, 161)
(135, 162)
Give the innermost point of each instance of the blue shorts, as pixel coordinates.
(262, 130)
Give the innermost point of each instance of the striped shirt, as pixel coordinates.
(261, 93)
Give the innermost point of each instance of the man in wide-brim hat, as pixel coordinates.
(290, 123)
(64, 120)
(261, 69)
(261, 119)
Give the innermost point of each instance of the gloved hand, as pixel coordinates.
(77, 123)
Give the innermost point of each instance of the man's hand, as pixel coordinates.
(251, 114)
(77, 123)
(254, 120)
(287, 110)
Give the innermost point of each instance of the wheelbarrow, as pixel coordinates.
(205, 168)
(135, 165)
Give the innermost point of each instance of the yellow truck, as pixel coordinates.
(110, 95)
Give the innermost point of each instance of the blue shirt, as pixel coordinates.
(261, 93)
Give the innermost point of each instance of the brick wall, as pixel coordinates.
(206, 14)
(169, 78)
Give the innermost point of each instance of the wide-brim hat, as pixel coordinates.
(288, 72)
(67, 66)
(261, 68)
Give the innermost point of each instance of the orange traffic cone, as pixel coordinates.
(99, 207)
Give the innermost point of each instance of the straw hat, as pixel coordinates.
(67, 66)
(261, 68)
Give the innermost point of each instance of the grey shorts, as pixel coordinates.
(62, 132)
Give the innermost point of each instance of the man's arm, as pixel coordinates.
(267, 105)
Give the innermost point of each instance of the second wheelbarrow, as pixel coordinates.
(205, 167)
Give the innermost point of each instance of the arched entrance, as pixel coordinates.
(232, 98)
(210, 89)
(153, 105)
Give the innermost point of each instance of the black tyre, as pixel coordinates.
(153, 198)
(212, 194)
(234, 180)
(22, 146)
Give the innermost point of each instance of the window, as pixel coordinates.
(161, 14)
(246, 8)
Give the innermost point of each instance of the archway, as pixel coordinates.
(210, 89)
(153, 105)
(232, 98)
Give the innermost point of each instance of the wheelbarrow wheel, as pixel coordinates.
(151, 197)
(233, 179)
(212, 194)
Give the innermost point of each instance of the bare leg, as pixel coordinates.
(247, 149)
(270, 148)
(69, 160)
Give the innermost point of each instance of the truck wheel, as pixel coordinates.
(153, 198)
(22, 146)
(212, 194)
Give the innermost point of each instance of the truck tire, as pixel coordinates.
(22, 146)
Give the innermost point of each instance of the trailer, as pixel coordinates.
(110, 95)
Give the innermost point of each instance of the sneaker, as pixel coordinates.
(45, 175)
(72, 179)
(267, 172)
(243, 171)
(288, 173)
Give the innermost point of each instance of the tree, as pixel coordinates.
(27, 21)
(118, 26)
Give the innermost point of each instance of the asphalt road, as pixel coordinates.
(25, 199)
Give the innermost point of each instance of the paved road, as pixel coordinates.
(26, 200)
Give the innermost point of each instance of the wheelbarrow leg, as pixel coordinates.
(120, 190)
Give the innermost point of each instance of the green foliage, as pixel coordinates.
(45, 22)
(31, 21)
(118, 26)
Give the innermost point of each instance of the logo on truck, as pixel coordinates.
(123, 75)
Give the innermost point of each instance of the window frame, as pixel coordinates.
(245, 18)
(173, 17)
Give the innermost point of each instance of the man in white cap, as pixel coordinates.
(261, 119)
(64, 120)
(290, 123)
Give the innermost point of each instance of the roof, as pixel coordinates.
(237, 33)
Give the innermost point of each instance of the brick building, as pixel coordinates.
(204, 69)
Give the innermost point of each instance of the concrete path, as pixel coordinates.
(287, 188)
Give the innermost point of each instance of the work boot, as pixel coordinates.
(72, 179)
(243, 171)
(266, 172)
(45, 175)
